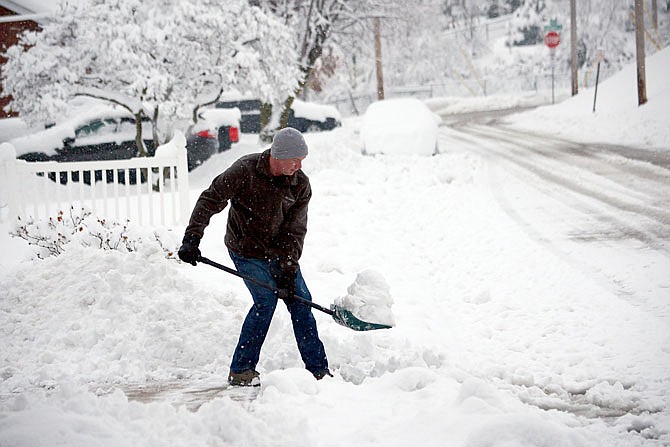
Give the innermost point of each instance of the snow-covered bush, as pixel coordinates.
(51, 236)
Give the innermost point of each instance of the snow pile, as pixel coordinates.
(617, 119)
(111, 317)
(399, 126)
(369, 298)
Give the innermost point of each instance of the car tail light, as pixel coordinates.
(234, 134)
(206, 134)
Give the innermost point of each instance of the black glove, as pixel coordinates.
(189, 251)
(286, 286)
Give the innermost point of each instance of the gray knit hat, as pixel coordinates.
(288, 143)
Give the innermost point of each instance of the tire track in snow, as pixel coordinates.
(559, 193)
(632, 198)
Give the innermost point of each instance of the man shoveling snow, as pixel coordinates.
(267, 223)
(266, 228)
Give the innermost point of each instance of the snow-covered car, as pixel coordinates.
(400, 126)
(250, 113)
(304, 116)
(95, 134)
(105, 132)
(312, 117)
(225, 121)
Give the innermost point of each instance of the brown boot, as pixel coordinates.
(244, 378)
(321, 374)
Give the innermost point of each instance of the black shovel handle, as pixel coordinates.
(204, 260)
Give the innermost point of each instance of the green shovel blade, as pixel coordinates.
(347, 319)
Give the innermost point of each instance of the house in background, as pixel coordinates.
(17, 16)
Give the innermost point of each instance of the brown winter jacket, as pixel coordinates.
(268, 215)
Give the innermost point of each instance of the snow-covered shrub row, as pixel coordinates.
(51, 236)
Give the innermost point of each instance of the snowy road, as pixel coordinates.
(573, 197)
(602, 210)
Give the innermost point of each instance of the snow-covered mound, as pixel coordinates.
(401, 126)
(369, 298)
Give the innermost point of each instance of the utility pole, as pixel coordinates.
(639, 46)
(654, 14)
(573, 45)
(378, 59)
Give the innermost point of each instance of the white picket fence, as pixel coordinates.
(144, 190)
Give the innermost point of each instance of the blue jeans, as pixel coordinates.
(257, 322)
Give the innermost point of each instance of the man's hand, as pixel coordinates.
(189, 251)
(286, 286)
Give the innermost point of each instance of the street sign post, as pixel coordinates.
(553, 25)
(552, 39)
(600, 56)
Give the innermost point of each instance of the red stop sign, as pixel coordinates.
(552, 39)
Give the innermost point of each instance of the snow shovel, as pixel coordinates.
(340, 315)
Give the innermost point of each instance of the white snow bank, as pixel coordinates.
(399, 126)
(369, 298)
(618, 118)
(111, 317)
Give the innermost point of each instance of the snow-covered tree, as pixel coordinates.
(320, 26)
(158, 58)
(430, 42)
(435, 43)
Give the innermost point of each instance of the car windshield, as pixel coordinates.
(97, 127)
